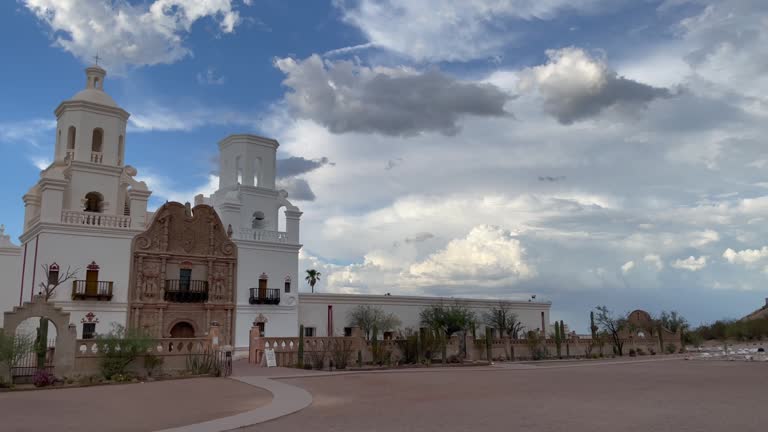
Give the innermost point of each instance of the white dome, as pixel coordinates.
(95, 96)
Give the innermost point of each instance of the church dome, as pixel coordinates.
(95, 96)
(94, 88)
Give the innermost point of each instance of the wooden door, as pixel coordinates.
(262, 288)
(185, 279)
(92, 282)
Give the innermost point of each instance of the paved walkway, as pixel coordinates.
(128, 407)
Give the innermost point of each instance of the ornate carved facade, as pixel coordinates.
(183, 274)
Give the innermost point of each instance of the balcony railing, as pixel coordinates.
(96, 157)
(186, 291)
(262, 235)
(74, 217)
(69, 155)
(92, 290)
(264, 296)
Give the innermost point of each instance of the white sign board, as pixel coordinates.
(270, 355)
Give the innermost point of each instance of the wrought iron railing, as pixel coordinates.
(264, 296)
(74, 217)
(186, 291)
(92, 290)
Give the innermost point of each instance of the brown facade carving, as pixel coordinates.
(183, 269)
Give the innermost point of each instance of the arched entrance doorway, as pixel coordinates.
(183, 329)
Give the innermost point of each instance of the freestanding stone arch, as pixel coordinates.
(66, 333)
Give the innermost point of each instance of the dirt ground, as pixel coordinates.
(674, 395)
(128, 407)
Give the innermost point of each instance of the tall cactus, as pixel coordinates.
(488, 346)
(661, 340)
(564, 338)
(592, 325)
(301, 347)
(557, 339)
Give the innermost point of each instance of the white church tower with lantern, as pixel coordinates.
(84, 211)
(265, 227)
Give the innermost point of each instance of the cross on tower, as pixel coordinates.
(97, 58)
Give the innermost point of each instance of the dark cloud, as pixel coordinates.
(295, 165)
(551, 179)
(420, 237)
(576, 86)
(298, 189)
(346, 97)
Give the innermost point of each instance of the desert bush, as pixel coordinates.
(317, 356)
(632, 352)
(120, 347)
(341, 350)
(152, 362)
(640, 352)
(13, 348)
(203, 363)
(670, 348)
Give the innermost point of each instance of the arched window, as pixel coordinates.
(93, 202)
(239, 170)
(256, 171)
(288, 284)
(53, 274)
(96, 83)
(97, 140)
(120, 150)
(71, 138)
(258, 221)
(183, 329)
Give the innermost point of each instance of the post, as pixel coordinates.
(300, 360)
(488, 346)
(255, 344)
(213, 335)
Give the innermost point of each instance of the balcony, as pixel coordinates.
(264, 296)
(97, 157)
(92, 290)
(74, 217)
(186, 291)
(262, 235)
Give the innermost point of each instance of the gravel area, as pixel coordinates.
(672, 395)
(128, 407)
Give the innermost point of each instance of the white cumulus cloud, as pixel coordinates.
(746, 256)
(691, 263)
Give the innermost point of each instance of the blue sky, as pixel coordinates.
(589, 151)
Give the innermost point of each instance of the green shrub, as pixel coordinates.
(152, 362)
(632, 352)
(640, 352)
(670, 348)
(341, 350)
(203, 363)
(120, 347)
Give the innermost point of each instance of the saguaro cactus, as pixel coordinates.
(592, 325)
(301, 347)
(488, 346)
(557, 339)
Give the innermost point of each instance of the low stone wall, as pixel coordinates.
(173, 351)
(286, 349)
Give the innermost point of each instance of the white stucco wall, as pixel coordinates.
(313, 309)
(10, 277)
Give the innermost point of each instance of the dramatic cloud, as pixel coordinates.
(690, 263)
(576, 86)
(126, 34)
(295, 165)
(488, 255)
(348, 97)
(454, 30)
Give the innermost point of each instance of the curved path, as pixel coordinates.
(286, 399)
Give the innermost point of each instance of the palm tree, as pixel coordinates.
(312, 277)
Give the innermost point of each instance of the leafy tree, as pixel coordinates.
(674, 322)
(448, 320)
(312, 277)
(613, 326)
(368, 317)
(13, 348)
(502, 318)
(536, 346)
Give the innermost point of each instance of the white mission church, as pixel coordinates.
(177, 269)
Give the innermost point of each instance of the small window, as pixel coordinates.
(387, 335)
(89, 330)
(309, 331)
(71, 135)
(93, 202)
(97, 140)
(53, 274)
(258, 220)
(347, 331)
(288, 285)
